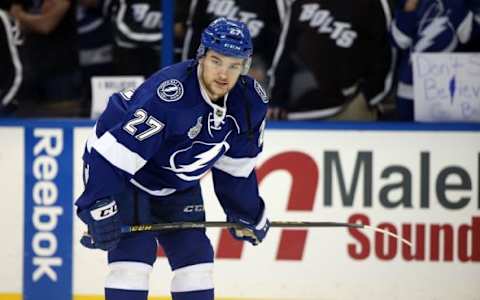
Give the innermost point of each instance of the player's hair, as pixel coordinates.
(227, 37)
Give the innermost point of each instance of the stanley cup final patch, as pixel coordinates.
(170, 90)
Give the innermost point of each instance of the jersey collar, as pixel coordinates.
(219, 112)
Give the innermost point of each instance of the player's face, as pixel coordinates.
(219, 73)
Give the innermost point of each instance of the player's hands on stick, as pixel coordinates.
(251, 232)
(104, 227)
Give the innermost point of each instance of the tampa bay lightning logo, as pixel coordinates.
(193, 162)
(170, 90)
(435, 23)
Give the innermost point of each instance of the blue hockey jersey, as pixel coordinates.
(167, 134)
(435, 26)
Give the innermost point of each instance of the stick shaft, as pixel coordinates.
(218, 224)
(282, 224)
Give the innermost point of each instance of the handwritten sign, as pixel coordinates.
(446, 86)
(104, 86)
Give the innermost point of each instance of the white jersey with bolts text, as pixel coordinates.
(343, 45)
(263, 19)
(166, 135)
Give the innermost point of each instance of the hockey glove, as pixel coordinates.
(103, 223)
(253, 233)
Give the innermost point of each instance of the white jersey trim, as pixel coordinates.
(143, 37)
(118, 155)
(100, 55)
(15, 59)
(280, 46)
(314, 114)
(464, 31)
(405, 90)
(403, 40)
(281, 10)
(388, 83)
(127, 275)
(350, 91)
(193, 278)
(237, 167)
(92, 138)
(188, 36)
(90, 26)
(159, 193)
(387, 12)
(263, 220)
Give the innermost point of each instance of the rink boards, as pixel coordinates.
(420, 181)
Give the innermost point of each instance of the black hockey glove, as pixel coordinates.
(104, 227)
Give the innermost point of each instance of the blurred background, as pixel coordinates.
(374, 118)
(318, 60)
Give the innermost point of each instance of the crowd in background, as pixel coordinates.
(318, 59)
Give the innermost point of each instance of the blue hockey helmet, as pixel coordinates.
(227, 37)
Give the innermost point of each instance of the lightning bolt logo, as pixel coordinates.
(430, 32)
(200, 160)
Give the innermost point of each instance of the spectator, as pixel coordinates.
(333, 61)
(426, 26)
(137, 26)
(51, 58)
(95, 47)
(264, 19)
(10, 62)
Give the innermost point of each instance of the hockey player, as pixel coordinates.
(426, 26)
(149, 150)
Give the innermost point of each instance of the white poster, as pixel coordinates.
(446, 86)
(104, 86)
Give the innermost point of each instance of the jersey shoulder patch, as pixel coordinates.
(170, 90)
(260, 91)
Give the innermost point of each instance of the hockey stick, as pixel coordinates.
(282, 224)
